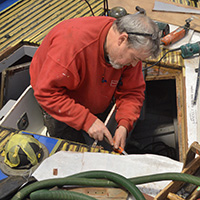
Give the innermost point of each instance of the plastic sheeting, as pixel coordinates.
(68, 163)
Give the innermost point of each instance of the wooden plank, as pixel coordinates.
(181, 117)
(191, 165)
(103, 193)
(106, 193)
(166, 17)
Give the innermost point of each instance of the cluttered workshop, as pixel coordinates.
(160, 159)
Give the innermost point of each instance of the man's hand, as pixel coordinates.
(98, 130)
(120, 137)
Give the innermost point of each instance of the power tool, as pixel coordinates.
(177, 34)
(189, 49)
(163, 27)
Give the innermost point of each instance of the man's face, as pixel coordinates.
(125, 56)
(121, 54)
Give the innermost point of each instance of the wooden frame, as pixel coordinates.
(162, 73)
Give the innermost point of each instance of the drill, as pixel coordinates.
(177, 34)
(189, 49)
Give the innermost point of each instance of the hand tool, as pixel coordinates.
(120, 149)
(140, 10)
(106, 122)
(177, 34)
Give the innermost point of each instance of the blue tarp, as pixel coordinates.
(6, 3)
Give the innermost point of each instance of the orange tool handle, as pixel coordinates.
(174, 36)
(119, 150)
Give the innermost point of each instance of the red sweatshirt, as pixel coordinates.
(66, 75)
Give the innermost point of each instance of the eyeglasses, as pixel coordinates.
(153, 36)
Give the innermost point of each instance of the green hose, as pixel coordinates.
(74, 180)
(59, 195)
(125, 183)
(166, 176)
(120, 180)
(152, 178)
(24, 192)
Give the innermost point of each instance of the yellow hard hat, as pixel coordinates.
(23, 151)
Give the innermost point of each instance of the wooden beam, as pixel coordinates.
(166, 17)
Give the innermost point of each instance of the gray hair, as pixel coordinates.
(143, 33)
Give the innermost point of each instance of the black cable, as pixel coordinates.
(105, 5)
(161, 59)
(159, 147)
(152, 144)
(90, 7)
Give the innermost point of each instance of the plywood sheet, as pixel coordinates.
(167, 17)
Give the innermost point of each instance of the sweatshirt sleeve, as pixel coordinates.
(51, 91)
(130, 96)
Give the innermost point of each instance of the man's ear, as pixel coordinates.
(122, 38)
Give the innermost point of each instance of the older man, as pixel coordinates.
(83, 63)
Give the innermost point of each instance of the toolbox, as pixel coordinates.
(177, 190)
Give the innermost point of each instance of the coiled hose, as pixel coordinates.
(58, 195)
(115, 178)
(78, 180)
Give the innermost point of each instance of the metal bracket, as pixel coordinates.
(23, 122)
